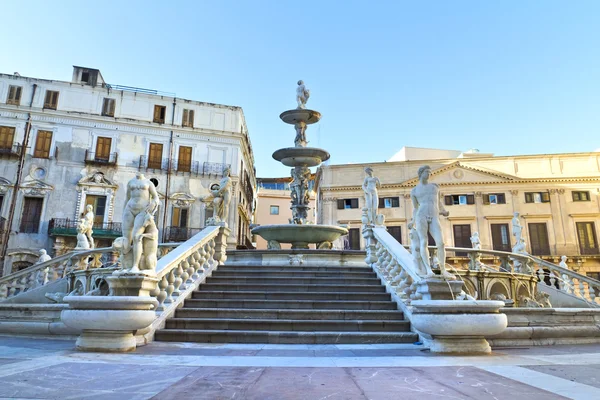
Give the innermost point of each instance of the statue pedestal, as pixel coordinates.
(438, 289)
(131, 284)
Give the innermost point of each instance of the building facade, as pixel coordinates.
(64, 145)
(557, 196)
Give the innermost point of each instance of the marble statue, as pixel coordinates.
(476, 244)
(563, 262)
(221, 198)
(415, 250)
(300, 139)
(427, 210)
(89, 224)
(516, 227)
(370, 186)
(302, 95)
(140, 235)
(521, 248)
(43, 256)
(82, 240)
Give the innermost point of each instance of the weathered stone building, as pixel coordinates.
(557, 196)
(64, 145)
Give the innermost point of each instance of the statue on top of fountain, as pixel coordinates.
(426, 215)
(302, 95)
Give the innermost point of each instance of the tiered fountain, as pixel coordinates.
(300, 157)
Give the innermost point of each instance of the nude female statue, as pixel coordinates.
(89, 224)
(427, 209)
(302, 95)
(141, 201)
(222, 197)
(370, 186)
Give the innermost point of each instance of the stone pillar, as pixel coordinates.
(557, 221)
(221, 245)
(480, 224)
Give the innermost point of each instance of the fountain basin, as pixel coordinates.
(300, 236)
(301, 156)
(300, 115)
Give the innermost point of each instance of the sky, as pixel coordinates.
(507, 77)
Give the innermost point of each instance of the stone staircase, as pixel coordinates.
(289, 304)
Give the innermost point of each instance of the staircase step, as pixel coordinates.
(290, 304)
(292, 268)
(289, 314)
(293, 280)
(291, 274)
(293, 288)
(283, 337)
(283, 295)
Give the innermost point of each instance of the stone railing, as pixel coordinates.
(57, 268)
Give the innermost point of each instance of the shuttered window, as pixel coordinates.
(581, 196)
(99, 205)
(155, 156)
(347, 203)
(586, 232)
(462, 238)
(43, 142)
(494, 198)
(32, 214)
(159, 114)
(51, 100)
(396, 232)
(180, 217)
(538, 235)
(459, 199)
(184, 163)
(14, 95)
(108, 107)
(7, 135)
(389, 202)
(188, 118)
(500, 237)
(103, 149)
(537, 197)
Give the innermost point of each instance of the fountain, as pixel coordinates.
(300, 157)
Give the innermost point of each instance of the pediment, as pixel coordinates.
(182, 199)
(96, 179)
(458, 174)
(33, 186)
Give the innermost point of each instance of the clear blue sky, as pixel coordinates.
(509, 77)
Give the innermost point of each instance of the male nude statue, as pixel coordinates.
(427, 209)
(370, 186)
(141, 200)
(89, 224)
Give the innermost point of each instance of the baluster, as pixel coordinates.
(12, 288)
(505, 264)
(541, 275)
(23, 283)
(567, 284)
(403, 284)
(395, 273)
(581, 289)
(162, 295)
(195, 266)
(552, 278)
(202, 257)
(178, 271)
(31, 281)
(185, 276)
(170, 287)
(3, 291)
(592, 293)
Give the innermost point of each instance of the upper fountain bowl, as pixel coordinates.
(300, 115)
(301, 156)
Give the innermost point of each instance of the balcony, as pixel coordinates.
(209, 168)
(68, 227)
(93, 158)
(161, 164)
(7, 150)
(180, 234)
(192, 168)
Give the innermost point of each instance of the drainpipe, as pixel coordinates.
(13, 201)
(169, 169)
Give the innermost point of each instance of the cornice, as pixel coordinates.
(533, 216)
(497, 217)
(584, 215)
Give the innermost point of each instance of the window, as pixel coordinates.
(188, 118)
(462, 238)
(1, 202)
(108, 107)
(14, 95)
(159, 114)
(537, 197)
(103, 145)
(354, 238)
(42, 144)
(459, 199)
(389, 202)
(32, 214)
(99, 205)
(274, 210)
(184, 163)
(500, 237)
(538, 235)
(347, 203)
(179, 217)
(586, 232)
(581, 196)
(85, 76)
(51, 100)
(7, 135)
(396, 232)
(494, 198)
(155, 157)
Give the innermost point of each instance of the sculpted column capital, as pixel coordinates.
(514, 192)
(478, 194)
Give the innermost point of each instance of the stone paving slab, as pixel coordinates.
(588, 374)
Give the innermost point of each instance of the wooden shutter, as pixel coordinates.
(159, 114)
(188, 118)
(354, 237)
(103, 148)
(448, 200)
(14, 95)
(545, 197)
(395, 202)
(51, 99)
(538, 235)
(470, 199)
(155, 158)
(7, 135)
(586, 233)
(500, 237)
(184, 162)
(353, 203)
(381, 202)
(43, 142)
(462, 237)
(528, 197)
(108, 107)
(340, 204)
(396, 232)
(486, 199)
(501, 197)
(32, 213)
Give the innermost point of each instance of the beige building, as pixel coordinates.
(274, 206)
(557, 196)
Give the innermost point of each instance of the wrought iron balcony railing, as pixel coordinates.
(101, 159)
(180, 234)
(12, 151)
(154, 163)
(68, 227)
(209, 168)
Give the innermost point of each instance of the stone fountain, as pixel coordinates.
(300, 157)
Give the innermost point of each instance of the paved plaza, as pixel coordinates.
(51, 369)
